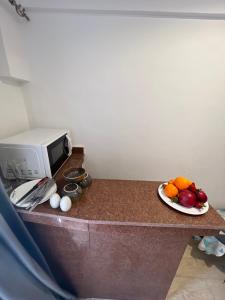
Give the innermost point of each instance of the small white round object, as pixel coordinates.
(55, 200)
(65, 203)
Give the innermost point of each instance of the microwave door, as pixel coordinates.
(58, 152)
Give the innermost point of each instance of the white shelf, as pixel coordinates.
(13, 65)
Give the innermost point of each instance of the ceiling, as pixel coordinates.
(194, 6)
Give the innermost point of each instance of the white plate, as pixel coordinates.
(21, 190)
(189, 211)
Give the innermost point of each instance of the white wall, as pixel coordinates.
(13, 66)
(13, 115)
(145, 96)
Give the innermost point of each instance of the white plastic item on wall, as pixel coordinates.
(13, 65)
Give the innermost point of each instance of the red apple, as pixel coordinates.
(201, 196)
(187, 198)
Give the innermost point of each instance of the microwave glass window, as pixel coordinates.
(57, 153)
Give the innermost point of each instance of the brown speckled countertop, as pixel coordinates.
(120, 202)
(121, 232)
(129, 202)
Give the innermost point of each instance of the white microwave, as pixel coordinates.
(35, 153)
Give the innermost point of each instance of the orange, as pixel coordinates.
(171, 181)
(170, 190)
(182, 183)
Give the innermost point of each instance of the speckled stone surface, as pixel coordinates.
(112, 265)
(127, 202)
(119, 241)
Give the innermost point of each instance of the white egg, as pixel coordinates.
(65, 203)
(55, 200)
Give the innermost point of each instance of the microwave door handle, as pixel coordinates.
(69, 145)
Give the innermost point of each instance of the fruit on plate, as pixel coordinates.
(170, 190)
(171, 181)
(187, 198)
(192, 187)
(199, 204)
(184, 192)
(201, 196)
(182, 183)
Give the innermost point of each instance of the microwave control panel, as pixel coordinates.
(21, 163)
